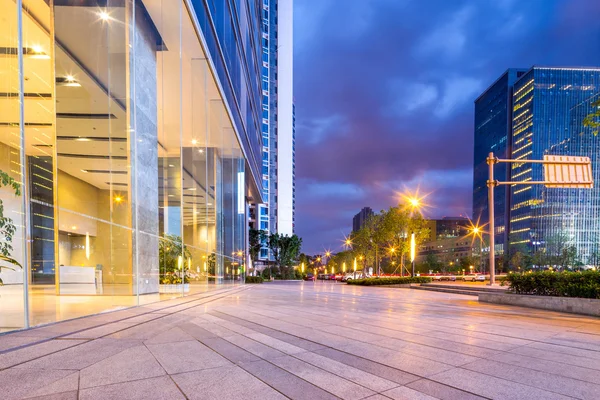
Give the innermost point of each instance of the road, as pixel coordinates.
(309, 340)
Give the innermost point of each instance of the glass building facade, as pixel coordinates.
(549, 105)
(132, 132)
(277, 125)
(493, 116)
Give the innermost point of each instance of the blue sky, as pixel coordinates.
(384, 93)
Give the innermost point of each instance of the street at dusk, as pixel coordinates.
(303, 199)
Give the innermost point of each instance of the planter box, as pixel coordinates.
(574, 305)
(174, 288)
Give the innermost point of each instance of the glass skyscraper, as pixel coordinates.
(132, 131)
(525, 115)
(276, 215)
(549, 105)
(493, 116)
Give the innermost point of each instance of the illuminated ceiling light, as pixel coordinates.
(68, 81)
(37, 52)
(84, 171)
(194, 141)
(201, 151)
(118, 199)
(171, 195)
(192, 189)
(171, 165)
(104, 16)
(74, 227)
(209, 204)
(83, 139)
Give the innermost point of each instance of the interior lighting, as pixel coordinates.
(104, 16)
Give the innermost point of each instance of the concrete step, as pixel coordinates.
(470, 288)
(433, 288)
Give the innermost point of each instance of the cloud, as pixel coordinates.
(390, 105)
(457, 92)
(409, 97)
(448, 39)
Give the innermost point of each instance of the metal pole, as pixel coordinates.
(491, 183)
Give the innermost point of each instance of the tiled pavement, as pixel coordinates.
(312, 340)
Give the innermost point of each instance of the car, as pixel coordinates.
(309, 277)
(474, 278)
(447, 278)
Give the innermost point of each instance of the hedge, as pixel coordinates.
(389, 281)
(254, 279)
(562, 284)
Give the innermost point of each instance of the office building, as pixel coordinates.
(493, 124)
(277, 214)
(544, 117)
(549, 105)
(132, 129)
(447, 227)
(359, 219)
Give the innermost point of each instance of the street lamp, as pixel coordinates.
(476, 231)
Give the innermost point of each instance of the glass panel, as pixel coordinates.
(197, 193)
(167, 16)
(12, 293)
(93, 153)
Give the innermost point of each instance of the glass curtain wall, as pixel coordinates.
(123, 181)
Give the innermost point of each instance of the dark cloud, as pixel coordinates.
(384, 95)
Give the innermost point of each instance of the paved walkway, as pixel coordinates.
(312, 340)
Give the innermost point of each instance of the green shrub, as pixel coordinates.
(389, 281)
(562, 284)
(254, 279)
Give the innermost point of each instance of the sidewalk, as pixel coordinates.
(307, 340)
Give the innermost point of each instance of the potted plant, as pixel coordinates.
(173, 256)
(7, 228)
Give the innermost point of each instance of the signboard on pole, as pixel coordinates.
(568, 172)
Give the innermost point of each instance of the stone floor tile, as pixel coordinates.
(372, 367)
(258, 349)
(276, 343)
(131, 364)
(492, 387)
(370, 381)
(402, 361)
(19, 383)
(224, 383)
(72, 395)
(12, 340)
(153, 388)
(405, 393)
(175, 334)
(196, 331)
(186, 356)
(229, 350)
(66, 384)
(543, 380)
(100, 331)
(289, 384)
(24, 354)
(81, 356)
(440, 391)
(441, 355)
(340, 387)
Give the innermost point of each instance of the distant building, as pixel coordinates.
(446, 250)
(544, 116)
(359, 219)
(447, 227)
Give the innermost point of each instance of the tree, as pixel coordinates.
(518, 260)
(285, 250)
(257, 239)
(7, 226)
(172, 255)
(593, 118)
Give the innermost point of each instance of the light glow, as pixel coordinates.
(413, 246)
(87, 245)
